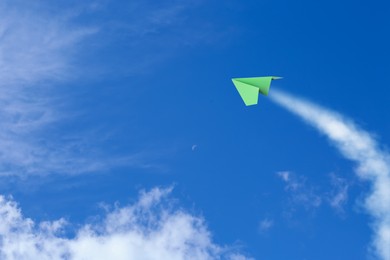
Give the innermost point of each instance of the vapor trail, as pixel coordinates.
(373, 163)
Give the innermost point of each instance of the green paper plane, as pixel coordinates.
(249, 88)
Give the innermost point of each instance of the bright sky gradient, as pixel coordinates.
(123, 137)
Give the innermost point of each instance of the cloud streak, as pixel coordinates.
(355, 144)
(39, 55)
(151, 228)
(41, 50)
(300, 192)
(338, 197)
(37, 49)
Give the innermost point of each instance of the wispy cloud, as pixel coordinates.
(357, 145)
(303, 193)
(153, 33)
(300, 193)
(39, 53)
(151, 228)
(284, 175)
(338, 197)
(174, 22)
(35, 45)
(37, 49)
(266, 224)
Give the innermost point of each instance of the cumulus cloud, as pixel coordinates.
(151, 228)
(373, 163)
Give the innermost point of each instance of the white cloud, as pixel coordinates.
(357, 145)
(41, 44)
(39, 52)
(284, 175)
(300, 193)
(149, 229)
(338, 197)
(266, 224)
(35, 46)
(37, 49)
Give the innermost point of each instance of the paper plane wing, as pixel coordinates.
(248, 93)
(249, 88)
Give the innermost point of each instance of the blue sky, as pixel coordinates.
(123, 136)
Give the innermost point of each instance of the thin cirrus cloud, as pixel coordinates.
(40, 48)
(149, 229)
(266, 224)
(300, 192)
(359, 146)
(36, 51)
(338, 196)
(154, 32)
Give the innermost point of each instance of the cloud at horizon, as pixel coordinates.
(150, 228)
